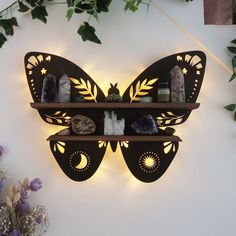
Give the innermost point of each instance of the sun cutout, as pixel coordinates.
(149, 162)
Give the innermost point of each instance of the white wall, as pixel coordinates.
(196, 196)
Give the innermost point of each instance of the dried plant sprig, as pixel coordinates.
(17, 216)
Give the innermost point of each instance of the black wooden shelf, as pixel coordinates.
(181, 106)
(147, 156)
(136, 138)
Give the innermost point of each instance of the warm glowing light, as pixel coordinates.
(43, 71)
(193, 38)
(149, 162)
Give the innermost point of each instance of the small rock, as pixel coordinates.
(145, 125)
(114, 98)
(79, 99)
(177, 85)
(169, 130)
(49, 91)
(146, 100)
(82, 125)
(64, 89)
(64, 132)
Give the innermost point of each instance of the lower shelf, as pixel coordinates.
(143, 138)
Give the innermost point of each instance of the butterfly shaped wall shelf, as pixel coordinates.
(147, 157)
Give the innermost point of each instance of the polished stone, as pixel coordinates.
(49, 90)
(82, 125)
(177, 85)
(64, 89)
(145, 125)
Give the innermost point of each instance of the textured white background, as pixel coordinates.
(196, 196)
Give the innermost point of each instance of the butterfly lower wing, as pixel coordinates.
(146, 84)
(78, 160)
(148, 162)
(38, 65)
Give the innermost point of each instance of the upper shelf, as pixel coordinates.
(181, 106)
(139, 138)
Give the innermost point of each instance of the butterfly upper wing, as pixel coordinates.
(38, 65)
(78, 160)
(149, 161)
(146, 84)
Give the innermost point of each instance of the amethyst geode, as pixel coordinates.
(49, 91)
(145, 125)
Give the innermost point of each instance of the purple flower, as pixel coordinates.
(23, 207)
(1, 150)
(35, 184)
(14, 233)
(25, 195)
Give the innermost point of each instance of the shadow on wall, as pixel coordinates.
(220, 12)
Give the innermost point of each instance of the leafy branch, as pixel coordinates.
(141, 89)
(232, 49)
(86, 89)
(38, 10)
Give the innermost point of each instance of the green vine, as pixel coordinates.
(38, 10)
(232, 49)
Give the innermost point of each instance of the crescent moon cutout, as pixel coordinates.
(83, 163)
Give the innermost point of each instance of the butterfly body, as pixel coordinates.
(146, 161)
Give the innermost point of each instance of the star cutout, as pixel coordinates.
(43, 71)
(185, 71)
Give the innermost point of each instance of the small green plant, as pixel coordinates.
(232, 49)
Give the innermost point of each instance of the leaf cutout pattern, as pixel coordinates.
(102, 144)
(85, 89)
(59, 146)
(59, 117)
(124, 144)
(168, 147)
(169, 118)
(141, 89)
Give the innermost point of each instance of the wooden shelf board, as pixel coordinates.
(143, 138)
(181, 106)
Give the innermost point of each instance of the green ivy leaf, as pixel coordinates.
(87, 32)
(40, 13)
(34, 3)
(234, 61)
(2, 39)
(235, 116)
(233, 41)
(132, 5)
(69, 13)
(69, 3)
(232, 49)
(103, 5)
(22, 7)
(232, 77)
(230, 107)
(8, 24)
